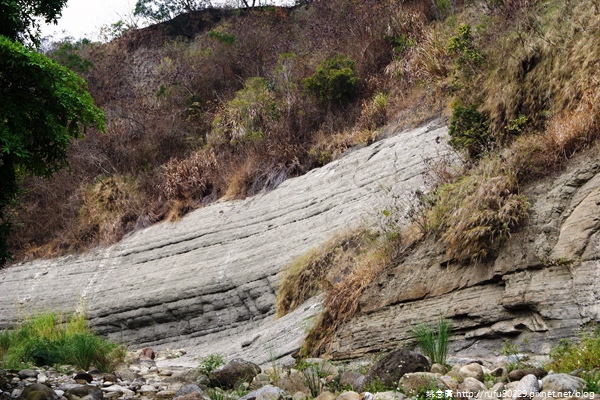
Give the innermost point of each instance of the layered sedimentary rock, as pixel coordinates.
(543, 286)
(208, 282)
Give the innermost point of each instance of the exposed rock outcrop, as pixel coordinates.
(208, 282)
(543, 286)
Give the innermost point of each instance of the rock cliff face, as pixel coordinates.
(208, 282)
(543, 286)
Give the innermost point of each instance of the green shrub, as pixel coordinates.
(210, 363)
(477, 213)
(248, 116)
(581, 355)
(513, 352)
(334, 81)
(43, 351)
(67, 54)
(223, 37)
(312, 377)
(462, 47)
(470, 130)
(433, 341)
(45, 339)
(84, 349)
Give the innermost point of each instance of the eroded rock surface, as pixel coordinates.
(543, 286)
(208, 282)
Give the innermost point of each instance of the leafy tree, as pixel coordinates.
(42, 105)
(19, 18)
(164, 10)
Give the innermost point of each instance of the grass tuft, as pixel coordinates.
(433, 340)
(51, 339)
(318, 270)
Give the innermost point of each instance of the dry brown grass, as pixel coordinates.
(320, 269)
(341, 301)
(110, 209)
(340, 305)
(189, 178)
(475, 214)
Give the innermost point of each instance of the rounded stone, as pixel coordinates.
(472, 370)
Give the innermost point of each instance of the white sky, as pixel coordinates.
(83, 18)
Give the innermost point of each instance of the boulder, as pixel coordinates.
(518, 374)
(191, 396)
(352, 379)
(562, 383)
(472, 370)
(124, 373)
(293, 382)
(265, 393)
(391, 395)
(394, 365)
(147, 390)
(186, 376)
(416, 381)
(37, 391)
(472, 386)
(82, 377)
(167, 394)
(27, 373)
(65, 387)
(147, 354)
(84, 392)
(348, 396)
(188, 390)
(300, 396)
(438, 369)
(235, 371)
(110, 378)
(449, 381)
(527, 387)
(494, 392)
(325, 395)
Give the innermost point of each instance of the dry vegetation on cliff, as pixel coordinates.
(225, 103)
(216, 103)
(523, 79)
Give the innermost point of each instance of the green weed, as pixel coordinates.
(581, 356)
(433, 340)
(210, 363)
(49, 339)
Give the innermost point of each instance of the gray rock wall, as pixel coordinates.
(544, 286)
(208, 282)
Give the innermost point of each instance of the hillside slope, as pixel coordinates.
(212, 277)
